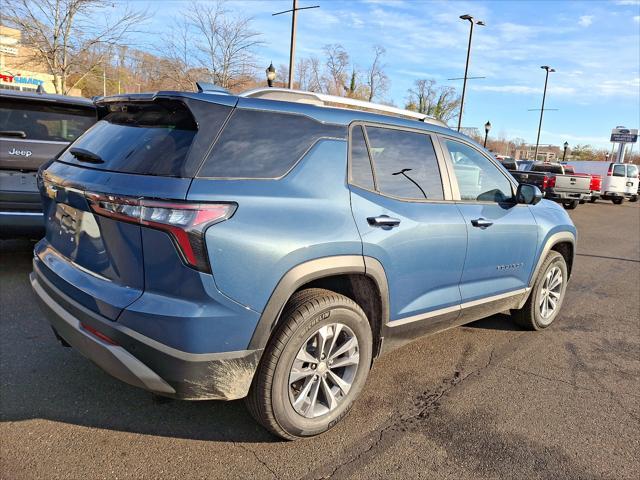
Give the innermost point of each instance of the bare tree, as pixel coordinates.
(66, 36)
(178, 52)
(226, 44)
(438, 102)
(377, 79)
(337, 62)
(315, 75)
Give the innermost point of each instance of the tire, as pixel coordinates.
(271, 396)
(570, 205)
(530, 316)
(582, 202)
(634, 198)
(618, 201)
(593, 200)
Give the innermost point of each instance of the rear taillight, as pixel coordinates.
(184, 222)
(551, 182)
(545, 182)
(610, 171)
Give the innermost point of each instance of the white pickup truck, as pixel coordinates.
(556, 183)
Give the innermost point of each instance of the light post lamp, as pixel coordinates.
(544, 95)
(472, 22)
(564, 153)
(487, 127)
(271, 74)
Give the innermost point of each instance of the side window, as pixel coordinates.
(619, 171)
(478, 178)
(261, 144)
(361, 174)
(405, 164)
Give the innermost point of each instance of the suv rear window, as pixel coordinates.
(147, 138)
(264, 144)
(44, 121)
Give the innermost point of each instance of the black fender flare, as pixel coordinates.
(313, 270)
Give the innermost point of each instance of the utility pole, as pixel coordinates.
(104, 82)
(544, 95)
(292, 49)
(473, 22)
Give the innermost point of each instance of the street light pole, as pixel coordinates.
(466, 67)
(292, 48)
(564, 153)
(544, 95)
(487, 127)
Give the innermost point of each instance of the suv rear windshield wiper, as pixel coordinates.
(85, 155)
(13, 133)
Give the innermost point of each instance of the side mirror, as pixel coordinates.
(528, 194)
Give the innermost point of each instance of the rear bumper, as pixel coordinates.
(141, 361)
(21, 214)
(560, 196)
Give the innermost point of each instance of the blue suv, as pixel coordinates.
(271, 245)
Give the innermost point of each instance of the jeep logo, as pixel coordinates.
(20, 153)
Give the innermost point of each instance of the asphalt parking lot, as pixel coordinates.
(485, 400)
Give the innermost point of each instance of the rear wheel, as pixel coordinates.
(314, 367)
(618, 201)
(634, 198)
(546, 297)
(592, 200)
(570, 205)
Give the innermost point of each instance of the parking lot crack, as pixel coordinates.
(257, 457)
(428, 403)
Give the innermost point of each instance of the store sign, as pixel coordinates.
(9, 50)
(20, 79)
(624, 135)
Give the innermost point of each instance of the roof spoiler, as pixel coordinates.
(206, 87)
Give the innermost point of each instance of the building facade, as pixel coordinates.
(18, 70)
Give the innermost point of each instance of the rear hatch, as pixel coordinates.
(32, 131)
(126, 173)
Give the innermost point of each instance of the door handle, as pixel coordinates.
(481, 222)
(384, 221)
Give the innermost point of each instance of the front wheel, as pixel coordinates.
(570, 205)
(634, 198)
(314, 366)
(592, 200)
(546, 297)
(618, 201)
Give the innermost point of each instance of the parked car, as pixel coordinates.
(261, 246)
(34, 128)
(556, 184)
(619, 180)
(595, 185)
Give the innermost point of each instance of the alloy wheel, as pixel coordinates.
(550, 294)
(324, 370)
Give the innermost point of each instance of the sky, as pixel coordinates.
(593, 45)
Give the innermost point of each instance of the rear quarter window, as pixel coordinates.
(264, 144)
(44, 121)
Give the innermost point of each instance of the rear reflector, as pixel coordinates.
(98, 334)
(184, 222)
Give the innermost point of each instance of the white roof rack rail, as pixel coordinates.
(323, 100)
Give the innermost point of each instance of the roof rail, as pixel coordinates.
(206, 87)
(323, 100)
